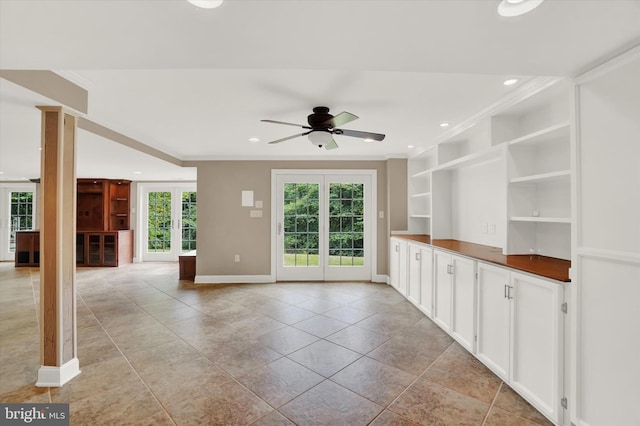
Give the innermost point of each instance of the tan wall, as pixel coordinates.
(397, 190)
(225, 228)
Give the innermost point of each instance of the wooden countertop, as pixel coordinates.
(549, 267)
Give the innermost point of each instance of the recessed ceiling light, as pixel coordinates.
(409, 146)
(509, 8)
(510, 82)
(137, 173)
(206, 4)
(254, 140)
(445, 124)
(1, 173)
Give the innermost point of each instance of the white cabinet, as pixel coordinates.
(426, 281)
(494, 318)
(454, 282)
(536, 342)
(520, 328)
(415, 264)
(398, 265)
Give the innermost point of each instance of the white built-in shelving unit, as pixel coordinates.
(502, 180)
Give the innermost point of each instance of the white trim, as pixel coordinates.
(233, 279)
(616, 256)
(608, 66)
(55, 377)
(380, 278)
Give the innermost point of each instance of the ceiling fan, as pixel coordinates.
(322, 126)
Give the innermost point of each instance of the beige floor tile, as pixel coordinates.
(510, 401)
(428, 403)
(321, 326)
(273, 419)
(255, 356)
(389, 418)
(374, 380)
(287, 340)
(347, 314)
(500, 417)
(324, 357)
(357, 339)
(280, 381)
(459, 370)
(411, 356)
(291, 315)
(123, 405)
(229, 404)
(330, 404)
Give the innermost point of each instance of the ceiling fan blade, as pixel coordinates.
(331, 145)
(289, 137)
(285, 123)
(358, 134)
(341, 119)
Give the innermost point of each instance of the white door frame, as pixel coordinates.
(5, 213)
(371, 204)
(176, 211)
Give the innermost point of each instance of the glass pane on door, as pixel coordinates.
(159, 222)
(301, 230)
(21, 215)
(346, 224)
(188, 224)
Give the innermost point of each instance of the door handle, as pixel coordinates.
(417, 256)
(506, 296)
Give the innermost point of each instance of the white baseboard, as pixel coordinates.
(233, 279)
(55, 377)
(377, 278)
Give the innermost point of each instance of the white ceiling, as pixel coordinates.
(195, 83)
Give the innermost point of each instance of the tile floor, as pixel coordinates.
(155, 350)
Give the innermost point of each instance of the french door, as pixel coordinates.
(17, 213)
(168, 221)
(323, 226)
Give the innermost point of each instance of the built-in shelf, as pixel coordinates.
(422, 174)
(560, 130)
(543, 177)
(471, 159)
(420, 194)
(540, 219)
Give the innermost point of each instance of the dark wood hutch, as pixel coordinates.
(103, 234)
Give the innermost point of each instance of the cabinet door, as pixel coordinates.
(536, 350)
(426, 281)
(442, 287)
(394, 262)
(493, 318)
(402, 268)
(463, 301)
(94, 249)
(413, 293)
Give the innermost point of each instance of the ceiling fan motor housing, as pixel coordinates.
(319, 118)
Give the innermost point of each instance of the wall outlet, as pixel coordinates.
(485, 228)
(381, 214)
(236, 258)
(492, 228)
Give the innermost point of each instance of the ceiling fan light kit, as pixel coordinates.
(510, 8)
(206, 4)
(322, 126)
